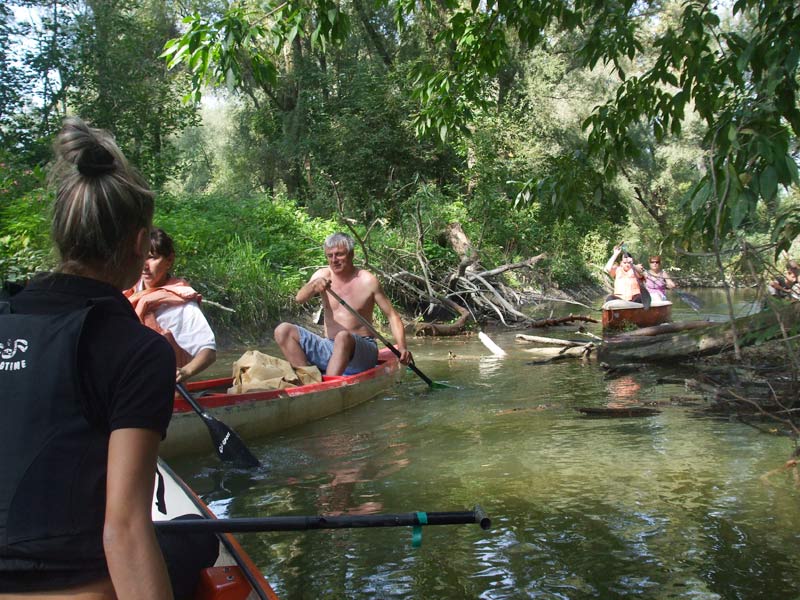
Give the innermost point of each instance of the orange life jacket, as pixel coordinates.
(173, 293)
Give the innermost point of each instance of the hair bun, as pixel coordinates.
(96, 161)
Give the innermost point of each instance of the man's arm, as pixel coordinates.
(395, 324)
(610, 264)
(316, 285)
(134, 558)
(778, 284)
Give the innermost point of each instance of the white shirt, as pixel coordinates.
(188, 325)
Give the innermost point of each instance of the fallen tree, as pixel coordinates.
(703, 340)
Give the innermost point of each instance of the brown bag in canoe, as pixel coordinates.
(256, 371)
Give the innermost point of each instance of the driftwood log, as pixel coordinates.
(568, 320)
(546, 340)
(710, 339)
(662, 329)
(550, 354)
(607, 412)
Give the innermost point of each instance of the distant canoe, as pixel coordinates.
(620, 314)
(618, 412)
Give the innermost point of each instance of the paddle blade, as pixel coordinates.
(438, 385)
(645, 295)
(493, 348)
(228, 445)
(693, 301)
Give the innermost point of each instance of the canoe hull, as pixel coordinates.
(234, 575)
(257, 414)
(625, 315)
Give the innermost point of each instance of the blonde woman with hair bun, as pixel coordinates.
(87, 393)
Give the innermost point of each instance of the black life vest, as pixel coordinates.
(53, 472)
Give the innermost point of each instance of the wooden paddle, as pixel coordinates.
(304, 523)
(389, 345)
(228, 445)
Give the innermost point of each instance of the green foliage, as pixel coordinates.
(24, 223)
(250, 254)
(787, 229)
(212, 48)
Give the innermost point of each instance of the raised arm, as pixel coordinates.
(134, 558)
(610, 264)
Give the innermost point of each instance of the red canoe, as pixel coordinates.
(619, 314)
(234, 576)
(256, 414)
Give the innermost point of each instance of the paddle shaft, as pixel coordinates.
(227, 444)
(374, 332)
(191, 401)
(300, 523)
(693, 301)
(643, 292)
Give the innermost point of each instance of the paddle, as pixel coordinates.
(304, 523)
(388, 344)
(693, 301)
(229, 446)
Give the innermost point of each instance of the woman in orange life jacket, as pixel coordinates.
(88, 396)
(627, 276)
(170, 306)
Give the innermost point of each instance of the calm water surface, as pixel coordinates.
(670, 506)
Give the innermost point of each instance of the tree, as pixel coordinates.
(119, 83)
(739, 76)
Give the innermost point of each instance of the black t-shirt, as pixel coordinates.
(127, 371)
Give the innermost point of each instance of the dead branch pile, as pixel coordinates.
(469, 291)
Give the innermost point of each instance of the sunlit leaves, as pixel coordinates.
(244, 42)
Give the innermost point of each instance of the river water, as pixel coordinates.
(670, 506)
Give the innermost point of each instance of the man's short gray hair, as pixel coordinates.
(335, 240)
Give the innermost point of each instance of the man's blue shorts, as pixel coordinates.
(319, 350)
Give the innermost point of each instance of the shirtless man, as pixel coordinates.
(627, 277)
(347, 347)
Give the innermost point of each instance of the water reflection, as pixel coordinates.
(665, 506)
(623, 391)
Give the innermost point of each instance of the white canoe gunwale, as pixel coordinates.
(180, 499)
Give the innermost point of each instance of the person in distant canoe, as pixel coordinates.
(171, 307)
(87, 394)
(348, 346)
(788, 284)
(658, 280)
(627, 276)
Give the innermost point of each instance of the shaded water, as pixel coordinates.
(670, 506)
